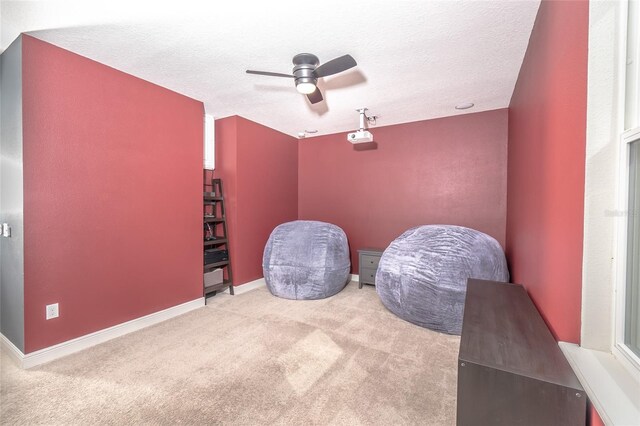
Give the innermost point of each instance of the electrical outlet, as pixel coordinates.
(52, 311)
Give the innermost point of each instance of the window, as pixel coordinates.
(607, 361)
(632, 290)
(627, 336)
(632, 71)
(628, 309)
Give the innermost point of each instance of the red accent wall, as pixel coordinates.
(259, 169)
(112, 206)
(593, 418)
(226, 159)
(547, 125)
(444, 171)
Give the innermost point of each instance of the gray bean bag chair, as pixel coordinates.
(306, 259)
(422, 275)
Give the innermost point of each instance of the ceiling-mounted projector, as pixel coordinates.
(362, 135)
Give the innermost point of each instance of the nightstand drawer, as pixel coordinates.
(369, 258)
(368, 261)
(368, 275)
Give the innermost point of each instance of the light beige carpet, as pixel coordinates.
(250, 359)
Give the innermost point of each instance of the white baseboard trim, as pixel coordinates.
(260, 282)
(13, 351)
(251, 285)
(83, 342)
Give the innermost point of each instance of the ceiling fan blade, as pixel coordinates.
(335, 66)
(272, 74)
(315, 97)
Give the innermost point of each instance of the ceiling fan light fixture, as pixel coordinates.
(306, 73)
(306, 88)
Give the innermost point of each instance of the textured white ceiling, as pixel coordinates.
(416, 59)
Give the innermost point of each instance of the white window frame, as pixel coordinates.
(620, 350)
(609, 377)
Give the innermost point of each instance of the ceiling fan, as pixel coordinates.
(307, 71)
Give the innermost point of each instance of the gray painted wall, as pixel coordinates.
(11, 196)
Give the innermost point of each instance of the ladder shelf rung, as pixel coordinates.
(216, 265)
(211, 196)
(212, 219)
(217, 241)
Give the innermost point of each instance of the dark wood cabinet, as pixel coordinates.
(510, 368)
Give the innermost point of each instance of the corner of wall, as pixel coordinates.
(261, 165)
(12, 195)
(146, 149)
(545, 192)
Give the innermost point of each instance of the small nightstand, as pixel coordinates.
(368, 258)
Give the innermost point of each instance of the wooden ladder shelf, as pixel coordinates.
(216, 241)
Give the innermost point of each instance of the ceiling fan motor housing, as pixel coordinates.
(304, 66)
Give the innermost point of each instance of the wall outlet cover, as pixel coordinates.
(52, 311)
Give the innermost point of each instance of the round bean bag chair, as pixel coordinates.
(422, 276)
(306, 259)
